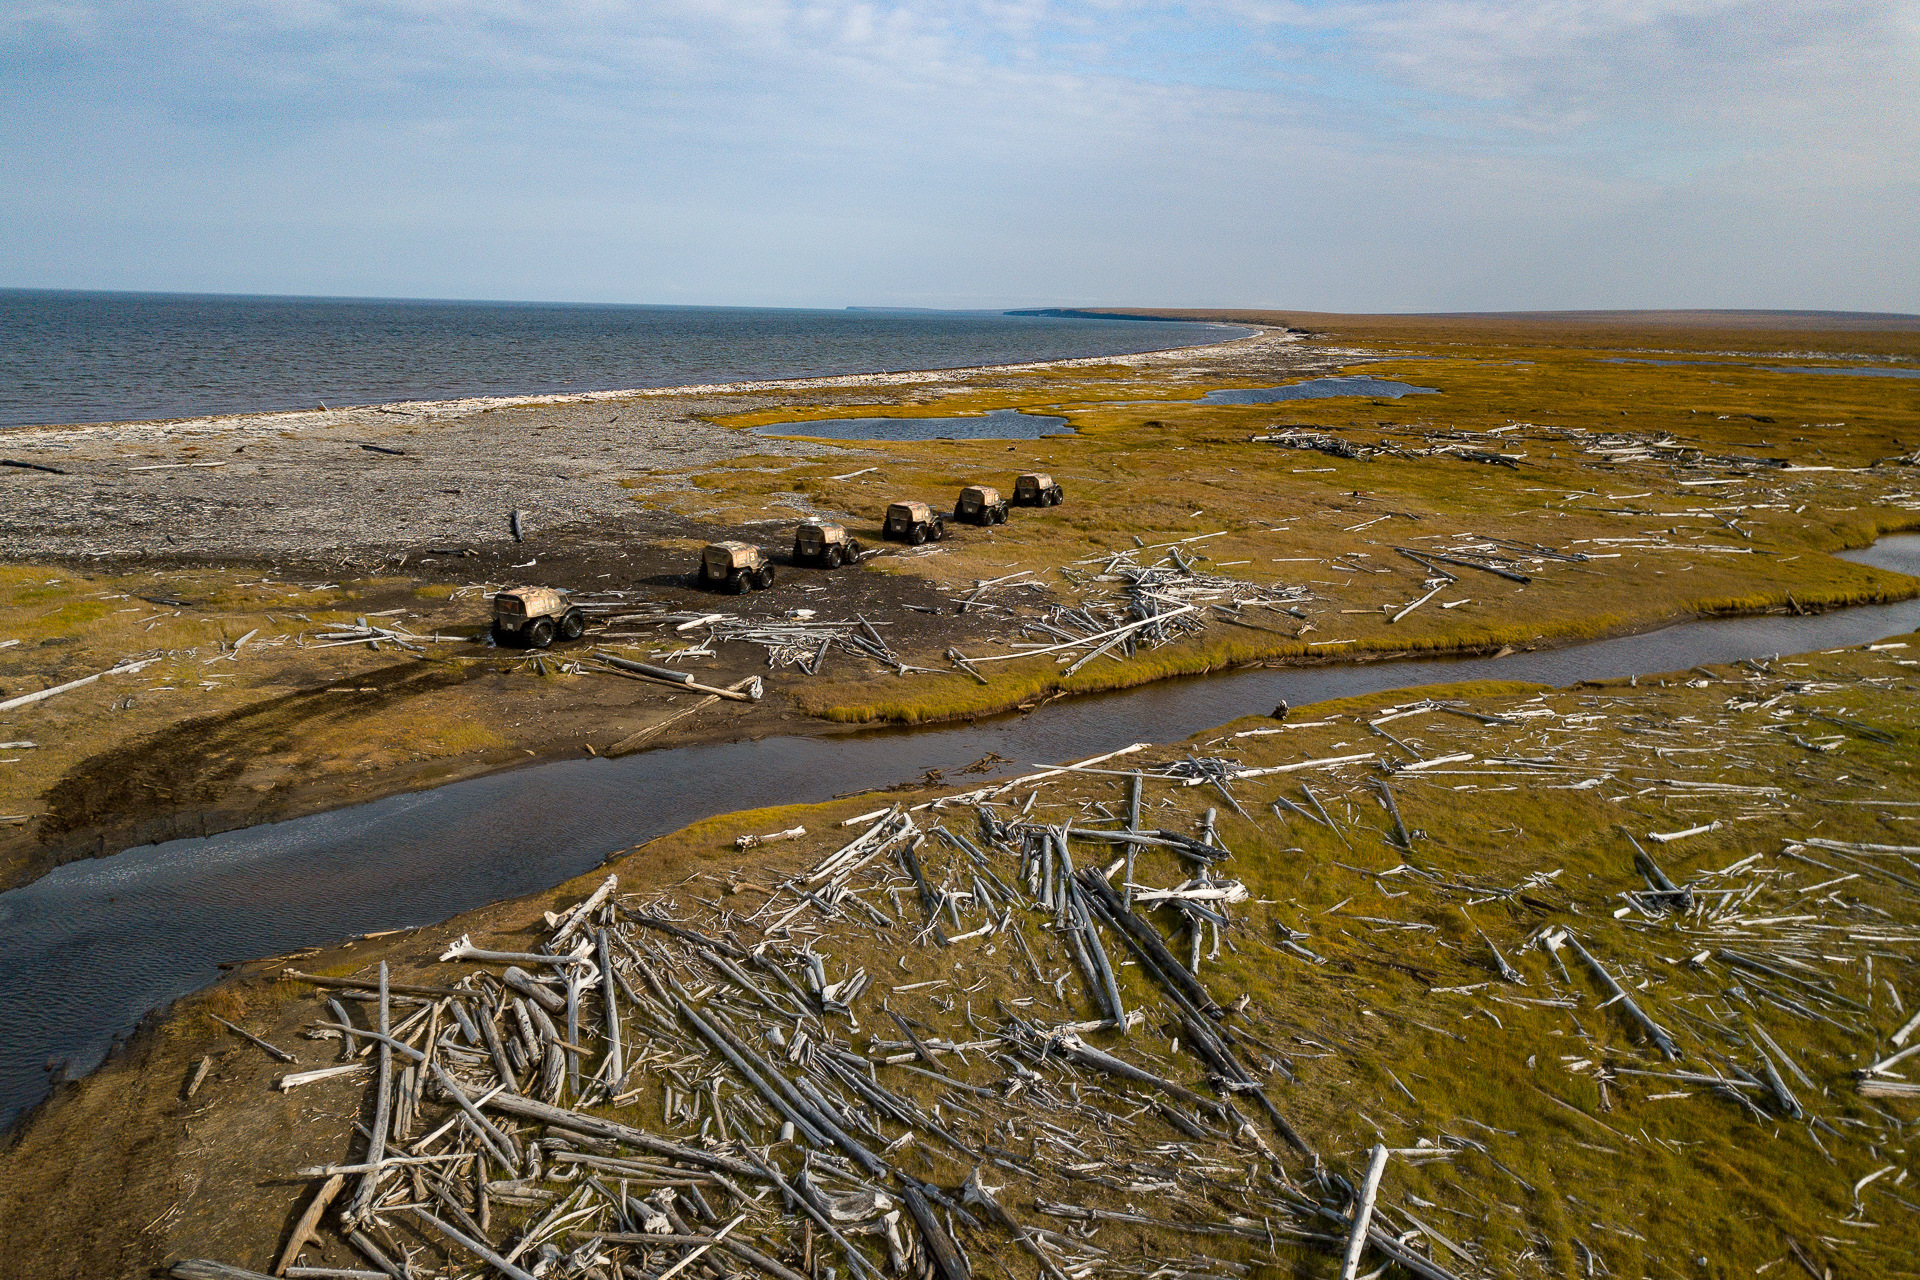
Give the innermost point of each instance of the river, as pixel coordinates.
(92, 946)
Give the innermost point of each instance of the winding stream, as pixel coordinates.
(89, 948)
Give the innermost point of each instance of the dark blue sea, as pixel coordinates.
(105, 357)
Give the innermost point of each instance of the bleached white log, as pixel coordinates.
(463, 949)
(1667, 837)
(1363, 1214)
(294, 1079)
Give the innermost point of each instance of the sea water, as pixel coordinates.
(106, 357)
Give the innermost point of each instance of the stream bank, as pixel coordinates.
(1359, 983)
(89, 948)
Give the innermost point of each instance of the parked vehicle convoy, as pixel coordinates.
(735, 567)
(534, 616)
(823, 542)
(914, 522)
(1037, 489)
(979, 504)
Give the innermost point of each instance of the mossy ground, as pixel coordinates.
(280, 714)
(1406, 1034)
(1564, 1162)
(1150, 462)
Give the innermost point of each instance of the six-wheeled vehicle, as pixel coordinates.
(980, 505)
(823, 542)
(1037, 489)
(914, 522)
(735, 567)
(534, 616)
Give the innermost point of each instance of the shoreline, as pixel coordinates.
(460, 406)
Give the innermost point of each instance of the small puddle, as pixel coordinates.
(996, 424)
(1313, 389)
(89, 948)
(1016, 424)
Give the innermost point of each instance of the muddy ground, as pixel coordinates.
(324, 729)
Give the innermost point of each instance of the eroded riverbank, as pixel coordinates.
(1366, 1000)
(80, 959)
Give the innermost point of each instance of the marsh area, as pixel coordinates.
(1546, 507)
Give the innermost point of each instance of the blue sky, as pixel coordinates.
(1400, 155)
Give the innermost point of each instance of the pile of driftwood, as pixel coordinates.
(1318, 441)
(985, 1023)
(672, 1085)
(373, 635)
(1156, 604)
(798, 640)
(1633, 446)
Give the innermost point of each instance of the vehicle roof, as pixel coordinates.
(824, 526)
(732, 546)
(918, 509)
(1038, 477)
(982, 489)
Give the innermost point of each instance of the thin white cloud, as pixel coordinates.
(1412, 153)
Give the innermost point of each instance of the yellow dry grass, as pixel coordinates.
(1173, 468)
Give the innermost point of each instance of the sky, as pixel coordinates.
(1333, 155)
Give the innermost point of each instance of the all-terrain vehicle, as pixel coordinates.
(914, 522)
(980, 505)
(533, 616)
(823, 542)
(1037, 489)
(735, 567)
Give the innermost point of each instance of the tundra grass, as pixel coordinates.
(1171, 469)
(1551, 1159)
(1404, 1035)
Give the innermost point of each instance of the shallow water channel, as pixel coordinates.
(89, 948)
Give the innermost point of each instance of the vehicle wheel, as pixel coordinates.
(1000, 517)
(737, 583)
(763, 579)
(916, 535)
(833, 557)
(1059, 496)
(539, 633)
(939, 530)
(853, 549)
(573, 625)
